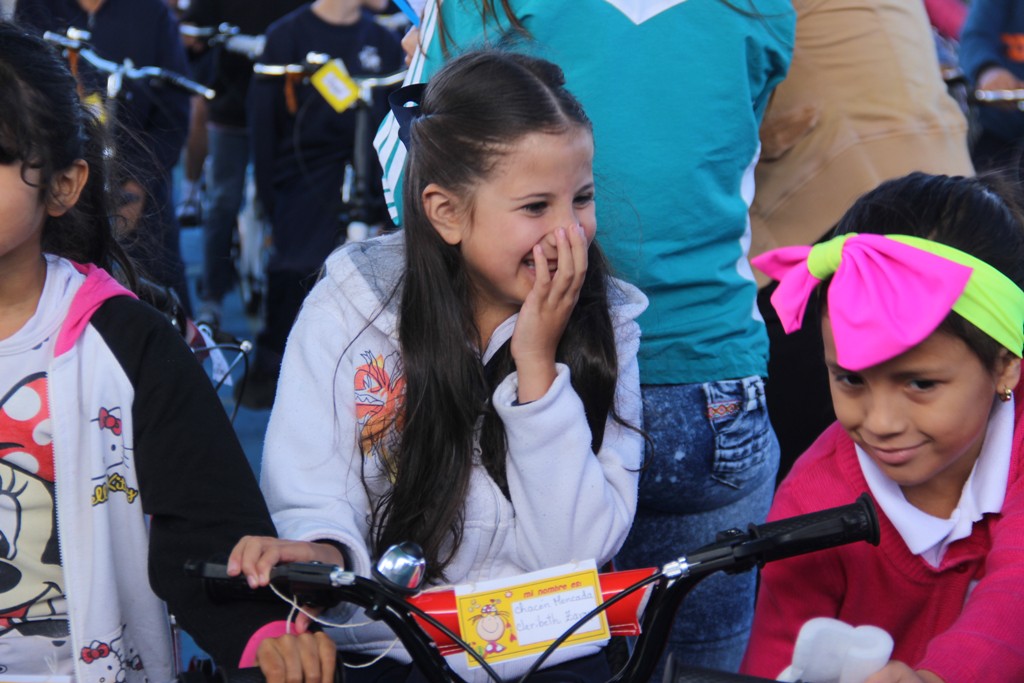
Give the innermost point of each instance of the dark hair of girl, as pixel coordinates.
(976, 215)
(45, 127)
(473, 111)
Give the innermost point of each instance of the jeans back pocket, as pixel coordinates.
(746, 450)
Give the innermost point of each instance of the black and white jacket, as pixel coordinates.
(148, 474)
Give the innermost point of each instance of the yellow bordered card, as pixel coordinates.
(519, 616)
(335, 85)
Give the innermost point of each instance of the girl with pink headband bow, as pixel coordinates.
(923, 327)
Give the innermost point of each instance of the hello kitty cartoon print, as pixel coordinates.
(113, 657)
(117, 476)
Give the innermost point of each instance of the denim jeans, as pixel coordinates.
(225, 192)
(712, 468)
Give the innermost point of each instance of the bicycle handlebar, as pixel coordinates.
(74, 42)
(680, 674)
(315, 60)
(294, 73)
(994, 97)
(999, 95)
(736, 551)
(382, 81)
(172, 78)
(733, 551)
(229, 37)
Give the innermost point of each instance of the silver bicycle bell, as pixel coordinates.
(402, 568)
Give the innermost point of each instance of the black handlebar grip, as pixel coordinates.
(816, 531)
(221, 588)
(187, 84)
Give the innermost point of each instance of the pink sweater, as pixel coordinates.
(921, 606)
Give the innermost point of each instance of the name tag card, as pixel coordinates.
(335, 85)
(519, 616)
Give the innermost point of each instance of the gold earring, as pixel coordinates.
(1005, 395)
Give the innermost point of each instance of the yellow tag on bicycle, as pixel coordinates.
(520, 616)
(335, 85)
(94, 103)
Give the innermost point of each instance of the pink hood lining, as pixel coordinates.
(99, 286)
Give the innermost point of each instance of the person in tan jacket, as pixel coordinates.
(864, 102)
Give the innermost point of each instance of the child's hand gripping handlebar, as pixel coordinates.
(427, 626)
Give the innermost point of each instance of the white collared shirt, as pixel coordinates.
(930, 536)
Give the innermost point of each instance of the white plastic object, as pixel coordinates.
(831, 651)
(357, 231)
(247, 46)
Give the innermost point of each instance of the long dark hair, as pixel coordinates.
(977, 215)
(45, 127)
(473, 111)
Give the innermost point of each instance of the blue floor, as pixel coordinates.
(250, 425)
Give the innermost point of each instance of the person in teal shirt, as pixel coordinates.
(676, 92)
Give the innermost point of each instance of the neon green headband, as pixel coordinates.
(989, 300)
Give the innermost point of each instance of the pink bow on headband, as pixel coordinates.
(885, 296)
